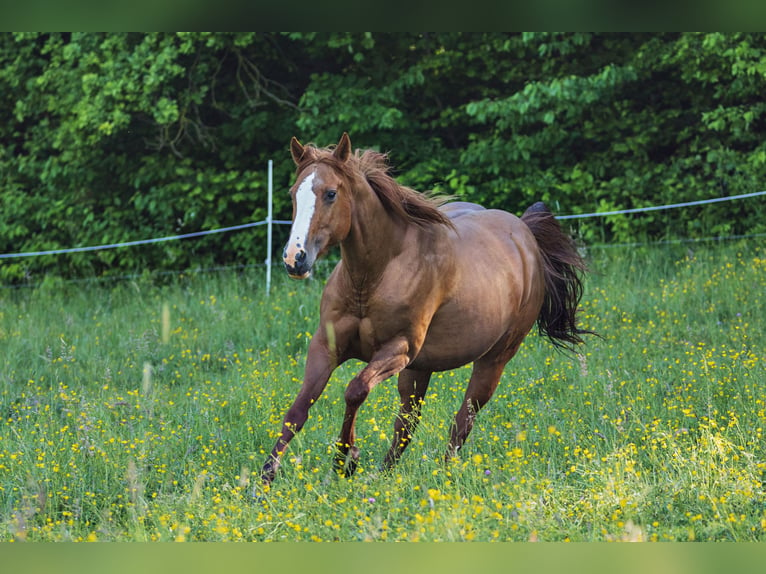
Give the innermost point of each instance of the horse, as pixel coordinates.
(423, 285)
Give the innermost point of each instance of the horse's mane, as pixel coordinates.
(401, 201)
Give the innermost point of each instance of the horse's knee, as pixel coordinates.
(356, 393)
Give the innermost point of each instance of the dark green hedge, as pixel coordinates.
(116, 137)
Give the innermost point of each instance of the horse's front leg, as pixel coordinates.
(386, 362)
(320, 363)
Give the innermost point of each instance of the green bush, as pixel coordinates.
(118, 137)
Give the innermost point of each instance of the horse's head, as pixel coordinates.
(321, 205)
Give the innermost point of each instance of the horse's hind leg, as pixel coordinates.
(484, 379)
(412, 389)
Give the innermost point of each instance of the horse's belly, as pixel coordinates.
(455, 339)
(443, 358)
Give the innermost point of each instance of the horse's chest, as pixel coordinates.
(367, 337)
(382, 318)
(372, 334)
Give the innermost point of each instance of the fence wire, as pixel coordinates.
(286, 222)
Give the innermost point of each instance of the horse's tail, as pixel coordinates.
(563, 269)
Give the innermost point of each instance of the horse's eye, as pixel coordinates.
(330, 195)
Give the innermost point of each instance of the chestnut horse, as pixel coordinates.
(422, 286)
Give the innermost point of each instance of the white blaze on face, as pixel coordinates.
(305, 201)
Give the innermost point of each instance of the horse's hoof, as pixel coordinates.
(352, 461)
(346, 464)
(269, 472)
(339, 464)
(350, 469)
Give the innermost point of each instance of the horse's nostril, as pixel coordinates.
(300, 257)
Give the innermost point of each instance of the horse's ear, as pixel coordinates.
(343, 149)
(296, 149)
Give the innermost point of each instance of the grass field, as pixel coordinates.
(140, 411)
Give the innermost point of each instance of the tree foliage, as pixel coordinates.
(116, 137)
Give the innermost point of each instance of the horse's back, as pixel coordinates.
(466, 213)
(455, 209)
(496, 230)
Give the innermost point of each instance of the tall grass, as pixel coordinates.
(143, 411)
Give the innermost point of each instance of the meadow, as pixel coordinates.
(142, 410)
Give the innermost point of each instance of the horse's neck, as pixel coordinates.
(375, 238)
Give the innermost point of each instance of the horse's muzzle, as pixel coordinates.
(297, 264)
